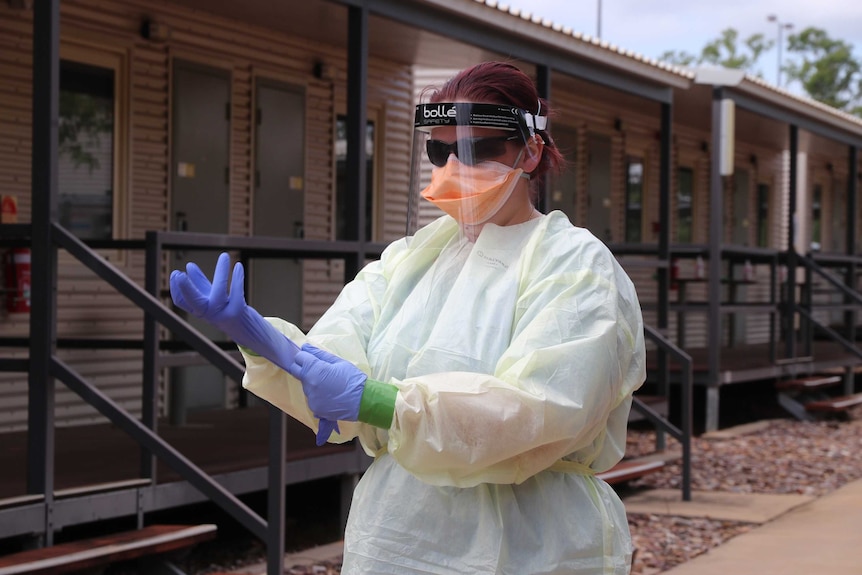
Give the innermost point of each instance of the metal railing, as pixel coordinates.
(851, 305)
(683, 433)
(156, 313)
(269, 531)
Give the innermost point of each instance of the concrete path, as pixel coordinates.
(798, 535)
(747, 507)
(823, 536)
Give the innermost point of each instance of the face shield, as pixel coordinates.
(465, 160)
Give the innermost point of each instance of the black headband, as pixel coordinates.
(509, 118)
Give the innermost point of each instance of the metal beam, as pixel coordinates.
(664, 218)
(43, 303)
(800, 121)
(716, 211)
(851, 316)
(665, 163)
(790, 283)
(426, 17)
(357, 119)
(543, 87)
(275, 503)
(150, 383)
(852, 191)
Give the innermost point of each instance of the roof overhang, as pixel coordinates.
(456, 34)
(758, 97)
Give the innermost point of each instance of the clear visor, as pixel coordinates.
(466, 161)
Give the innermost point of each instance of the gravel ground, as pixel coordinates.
(787, 456)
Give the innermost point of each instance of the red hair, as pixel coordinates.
(503, 83)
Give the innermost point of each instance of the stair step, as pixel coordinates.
(811, 382)
(856, 369)
(835, 404)
(99, 551)
(629, 469)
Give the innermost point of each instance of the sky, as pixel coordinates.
(651, 27)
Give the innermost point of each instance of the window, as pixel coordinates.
(341, 203)
(762, 215)
(684, 212)
(88, 145)
(634, 198)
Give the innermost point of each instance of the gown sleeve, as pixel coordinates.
(343, 330)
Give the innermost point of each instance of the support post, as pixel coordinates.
(664, 216)
(790, 282)
(276, 500)
(543, 86)
(43, 315)
(357, 77)
(851, 316)
(716, 212)
(150, 392)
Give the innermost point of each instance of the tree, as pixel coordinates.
(725, 51)
(679, 58)
(826, 69)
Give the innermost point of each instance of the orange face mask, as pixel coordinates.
(472, 194)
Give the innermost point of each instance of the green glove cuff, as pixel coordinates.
(377, 406)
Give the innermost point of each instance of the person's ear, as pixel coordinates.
(533, 154)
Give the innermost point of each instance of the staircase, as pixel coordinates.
(151, 543)
(807, 398)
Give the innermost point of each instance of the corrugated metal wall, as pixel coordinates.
(87, 306)
(15, 135)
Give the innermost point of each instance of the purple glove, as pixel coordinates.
(324, 430)
(192, 292)
(332, 386)
(228, 312)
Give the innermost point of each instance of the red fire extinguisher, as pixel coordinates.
(18, 280)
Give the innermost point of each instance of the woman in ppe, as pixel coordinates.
(486, 362)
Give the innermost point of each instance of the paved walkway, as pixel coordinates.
(823, 536)
(798, 535)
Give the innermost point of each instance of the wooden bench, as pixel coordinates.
(629, 469)
(834, 404)
(99, 551)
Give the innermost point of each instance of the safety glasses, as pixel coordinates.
(469, 151)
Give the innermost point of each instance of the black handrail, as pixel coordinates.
(142, 434)
(849, 292)
(147, 302)
(683, 434)
(162, 449)
(807, 309)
